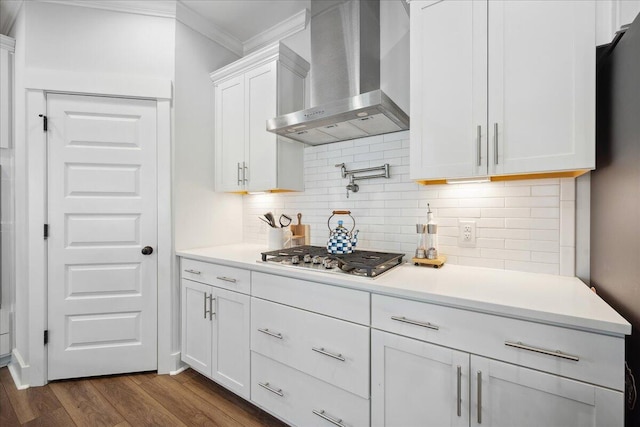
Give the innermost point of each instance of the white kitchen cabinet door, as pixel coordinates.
(448, 89)
(260, 106)
(541, 86)
(502, 87)
(414, 383)
(229, 134)
(508, 395)
(196, 326)
(230, 349)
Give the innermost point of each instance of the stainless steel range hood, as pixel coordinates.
(346, 99)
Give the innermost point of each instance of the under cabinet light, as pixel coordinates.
(469, 180)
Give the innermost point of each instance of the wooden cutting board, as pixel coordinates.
(298, 230)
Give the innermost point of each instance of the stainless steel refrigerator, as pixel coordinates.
(615, 190)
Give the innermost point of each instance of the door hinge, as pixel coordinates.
(46, 337)
(45, 124)
(46, 231)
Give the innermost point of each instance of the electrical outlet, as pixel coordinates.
(467, 234)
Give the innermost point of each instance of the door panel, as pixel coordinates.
(449, 81)
(230, 358)
(196, 326)
(230, 134)
(544, 109)
(102, 208)
(414, 383)
(512, 395)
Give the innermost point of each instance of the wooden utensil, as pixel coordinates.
(298, 229)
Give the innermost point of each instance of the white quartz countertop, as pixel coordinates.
(546, 298)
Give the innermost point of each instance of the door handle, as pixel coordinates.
(147, 250)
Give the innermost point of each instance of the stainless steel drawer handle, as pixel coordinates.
(324, 416)
(239, 170)
(479, 394)
(205, 305)
(211, 312)
(415, 322)
(556, 353)
(270, 333)
(459, 401)
(226, 279)
(479, 138)
(277, 391)
(321, 350)
(193, 272)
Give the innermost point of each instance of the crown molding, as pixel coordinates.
(7, 43)
(289, 26)
(10, 11)
(159, 8)
(196, 22)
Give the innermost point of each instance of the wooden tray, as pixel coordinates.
(435, 263)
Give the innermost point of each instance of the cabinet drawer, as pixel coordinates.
(332, 350)
(301, 399)
(334, 301)
(525, 343)
(235, 279)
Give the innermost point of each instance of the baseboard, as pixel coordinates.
(18, 370)
(176, 365)
(179, 371)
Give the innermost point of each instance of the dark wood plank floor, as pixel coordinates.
(145, 399)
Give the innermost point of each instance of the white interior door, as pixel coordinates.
(102, 209)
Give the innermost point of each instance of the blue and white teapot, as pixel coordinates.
(341, 241)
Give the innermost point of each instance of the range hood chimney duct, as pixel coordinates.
(346, 99)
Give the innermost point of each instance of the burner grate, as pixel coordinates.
(361, 263)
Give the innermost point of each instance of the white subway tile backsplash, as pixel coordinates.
(520, 225)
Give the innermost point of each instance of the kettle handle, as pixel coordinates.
(341, 213)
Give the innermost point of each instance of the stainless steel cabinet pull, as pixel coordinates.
(459, 390)
(226, 279)
(211, 312)
(479, 145)
(415, 322)
(244, 173)
(321, 350)
(193, 272)
(495, 142)
(239, 169)
(277, 391)
(270, 333)
(324, 416)
(479, 391)
(556, 353)
(205, 305)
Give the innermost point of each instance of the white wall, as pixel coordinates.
(521, 225)
(201, 216)
(82, 39)
(70, 39)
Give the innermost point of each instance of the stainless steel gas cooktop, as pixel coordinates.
(358, 263)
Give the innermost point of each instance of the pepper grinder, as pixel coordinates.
(421, 251)
(432, 236)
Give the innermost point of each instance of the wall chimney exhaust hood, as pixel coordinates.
(346, 99)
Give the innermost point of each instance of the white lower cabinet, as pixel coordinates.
(215, 334)
(301, 399)
(415, 383)
(506, 395)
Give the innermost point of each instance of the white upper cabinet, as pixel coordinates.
(501, 88)
(248, 92)
(7, 46)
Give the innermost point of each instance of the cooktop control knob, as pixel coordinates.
(328, 263)
(317, 259)
(307, 259)
(295, 259)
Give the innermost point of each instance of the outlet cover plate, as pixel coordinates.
(467, 234)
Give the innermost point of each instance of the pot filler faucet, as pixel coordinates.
(352, 186)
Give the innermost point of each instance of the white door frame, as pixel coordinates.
(29, 358)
